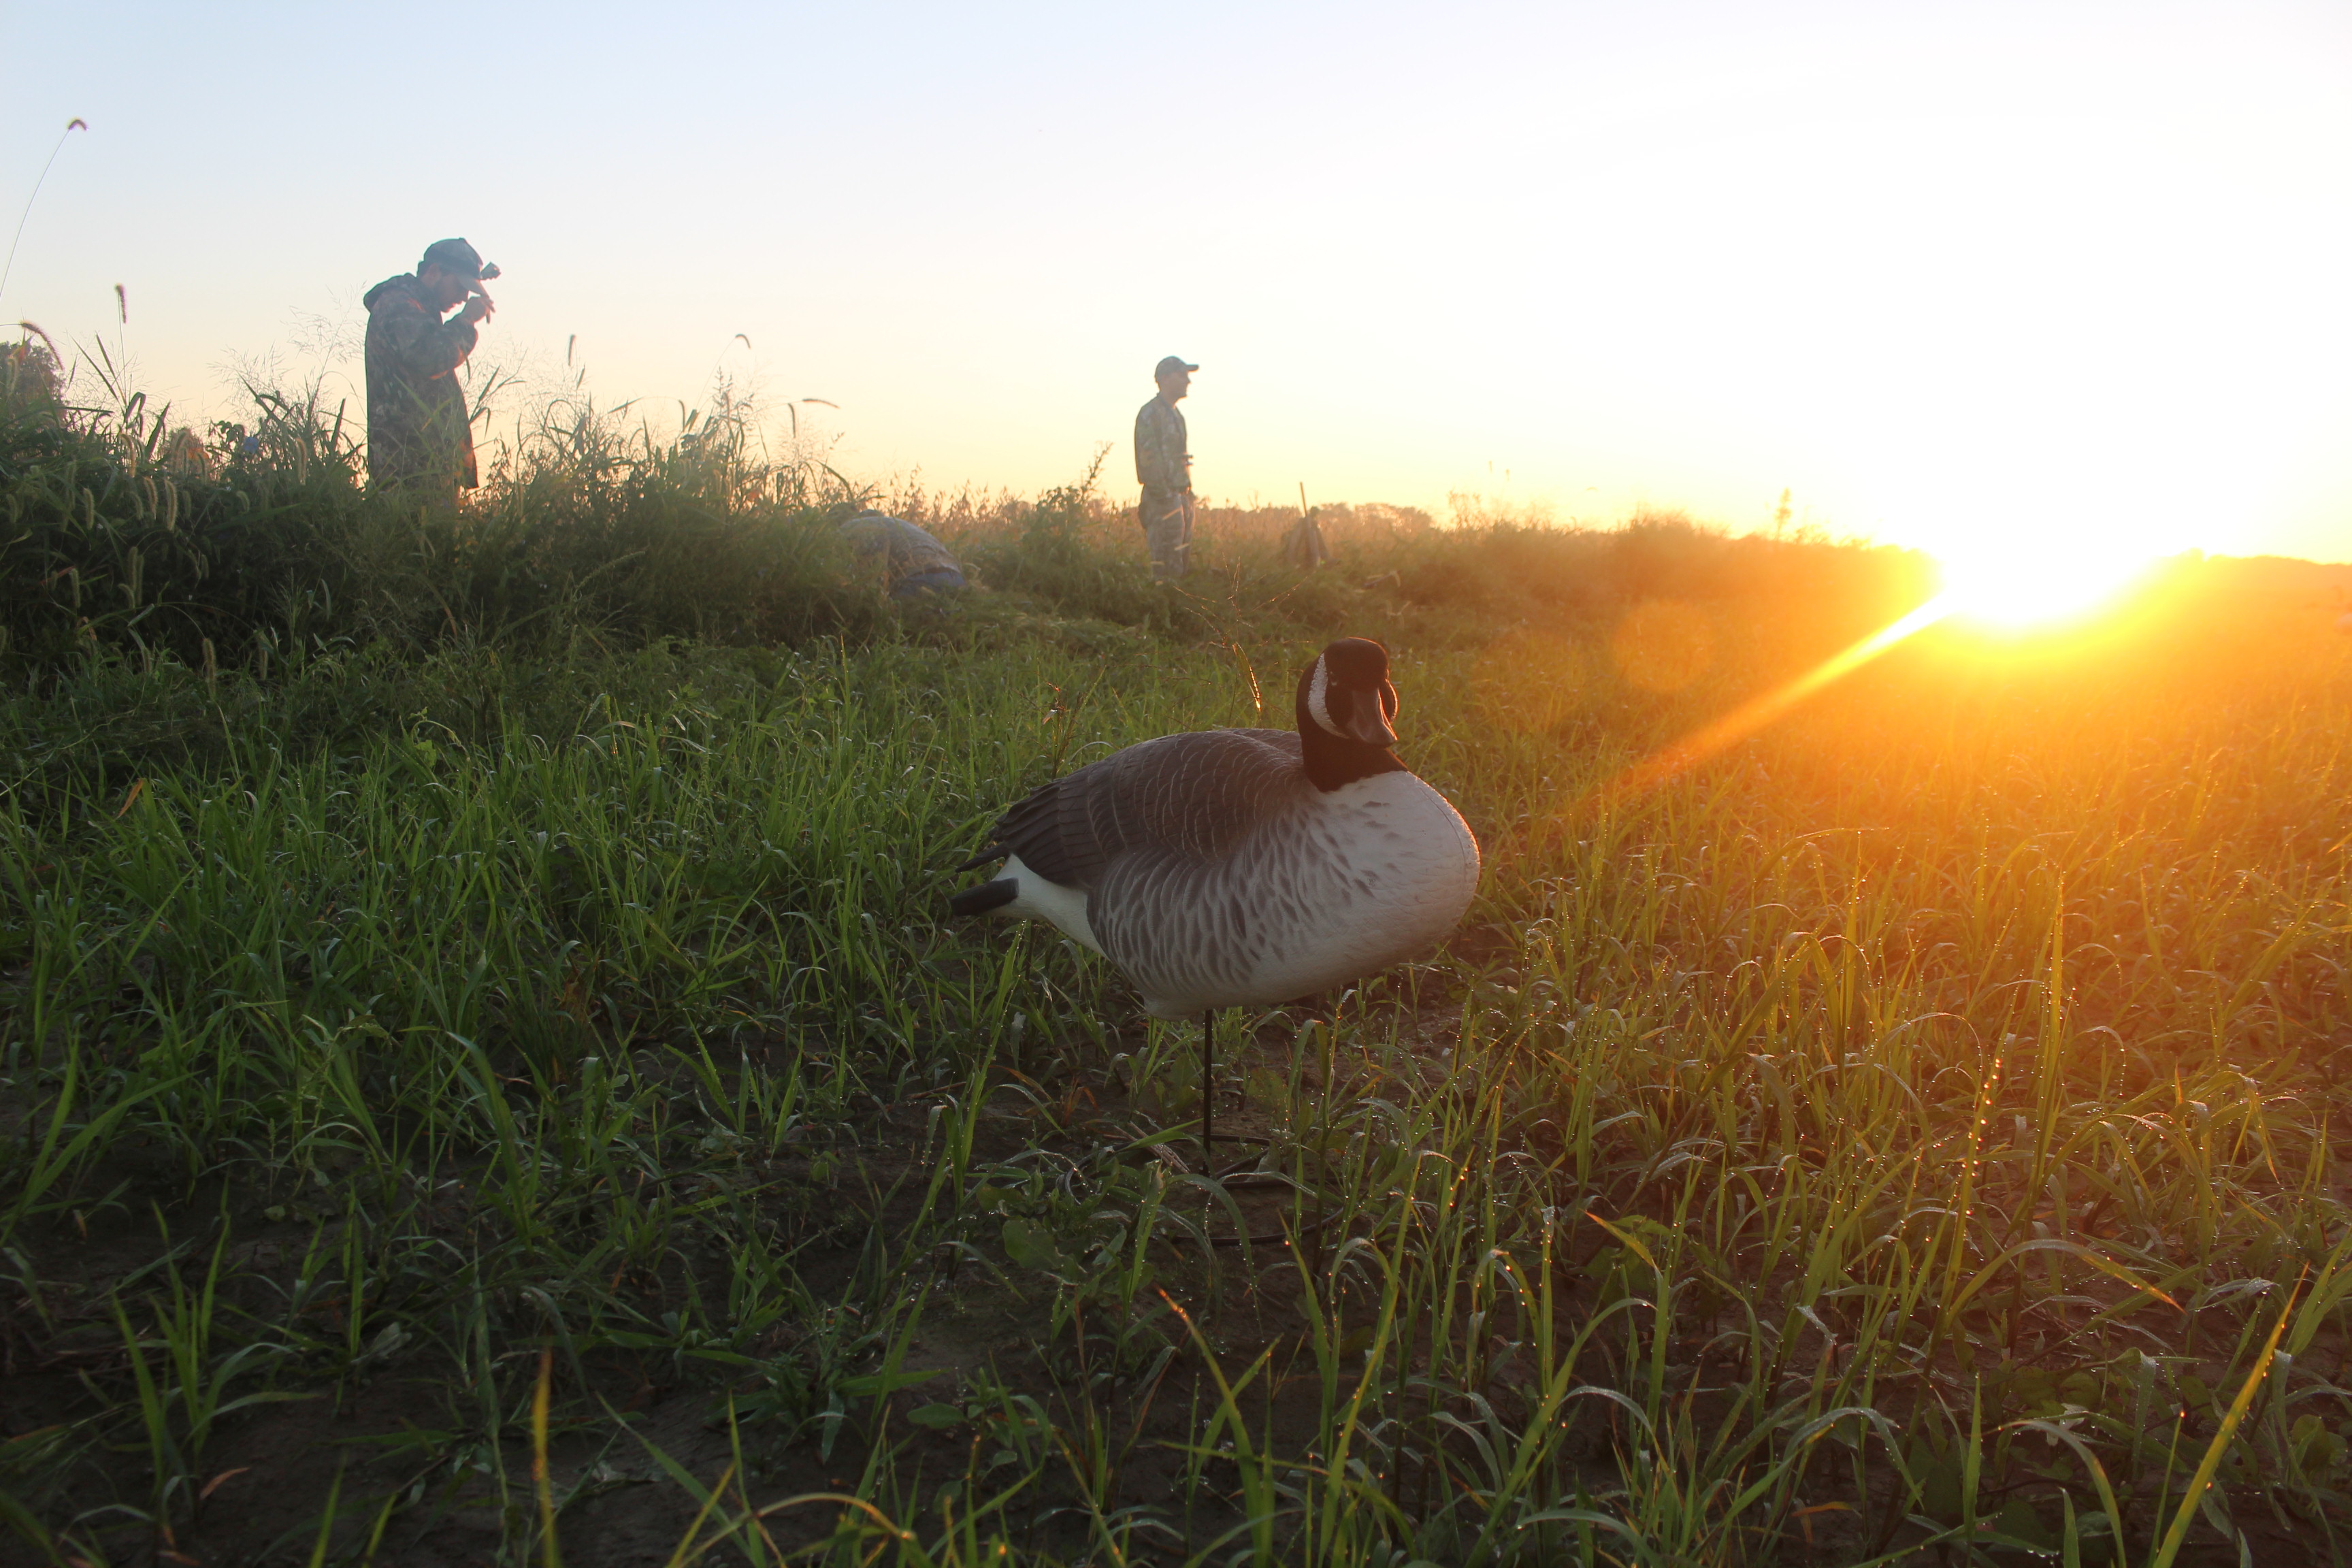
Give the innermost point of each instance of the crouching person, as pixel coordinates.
(909, 562)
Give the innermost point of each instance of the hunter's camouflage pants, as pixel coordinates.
(1167, 528)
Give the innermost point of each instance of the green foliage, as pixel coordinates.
(1054, 552)
(1774, 1173)
(128, 537)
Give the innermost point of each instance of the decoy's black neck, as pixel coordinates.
(1335, 759)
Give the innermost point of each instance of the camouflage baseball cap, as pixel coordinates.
(458, 258)
(1170, 366)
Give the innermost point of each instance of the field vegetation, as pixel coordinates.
(485, 1076)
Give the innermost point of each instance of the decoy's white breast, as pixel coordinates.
(1335, 888)
(1226, 868)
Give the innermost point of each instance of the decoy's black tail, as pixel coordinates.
(986, 897)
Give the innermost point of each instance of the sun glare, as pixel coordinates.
(2025, 586)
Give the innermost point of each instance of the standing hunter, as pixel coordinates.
(1164, 468)
(420, 437)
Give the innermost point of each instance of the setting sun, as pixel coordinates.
(2028, 585)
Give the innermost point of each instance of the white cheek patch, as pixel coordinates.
(1316, 684)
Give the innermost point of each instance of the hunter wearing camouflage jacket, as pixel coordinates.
(1163, 466)
(419, 434)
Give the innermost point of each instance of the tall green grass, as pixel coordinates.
(510, 1106)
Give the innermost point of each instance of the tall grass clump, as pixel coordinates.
(130, 534)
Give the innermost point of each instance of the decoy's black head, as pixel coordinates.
(1346, 711)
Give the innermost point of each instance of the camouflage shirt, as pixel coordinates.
(1161, 462)
(418, 431)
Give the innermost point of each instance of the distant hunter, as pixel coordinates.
(420, 437)
(1163, 466)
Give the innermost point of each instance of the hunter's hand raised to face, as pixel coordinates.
(420, 436)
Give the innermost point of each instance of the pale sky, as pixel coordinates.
(2062, 279)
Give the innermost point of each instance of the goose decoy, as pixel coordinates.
(1225, 868)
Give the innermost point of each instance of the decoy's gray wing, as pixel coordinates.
(1193, 796)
